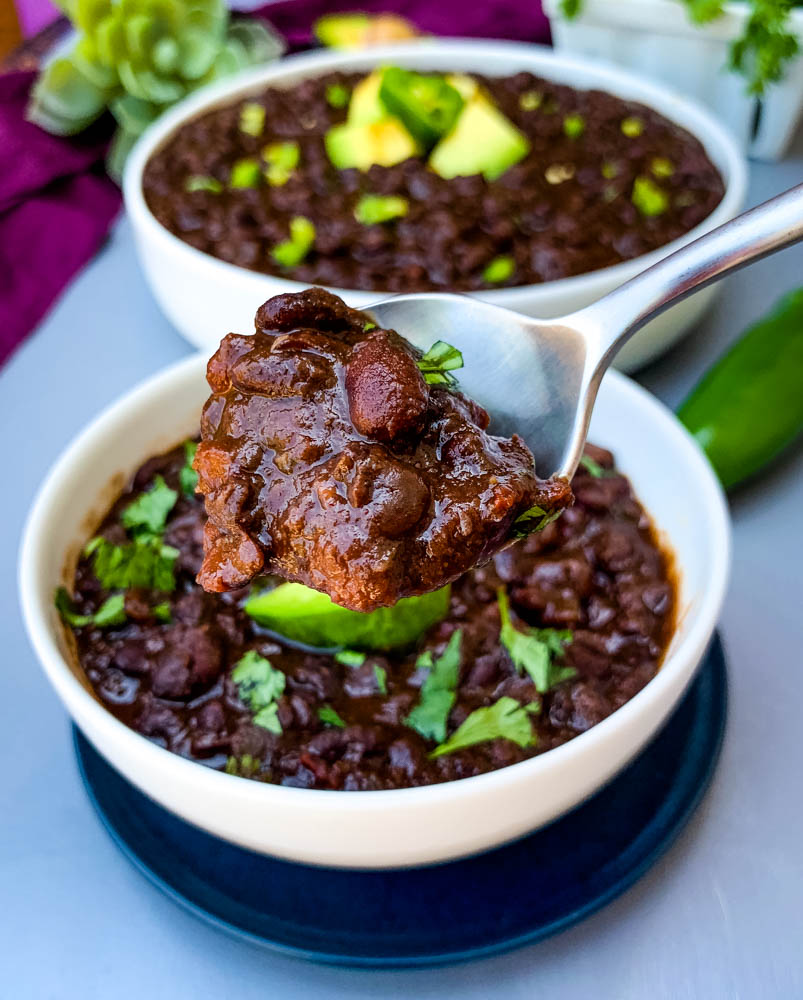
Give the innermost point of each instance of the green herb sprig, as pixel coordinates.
(111, 612)
(260, 685)
(439, 362)
(534, 650)
(438, 692)
(505, 719)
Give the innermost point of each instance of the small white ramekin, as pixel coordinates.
(206, 298)
(386, 828)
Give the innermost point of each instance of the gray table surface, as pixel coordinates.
(718, 917)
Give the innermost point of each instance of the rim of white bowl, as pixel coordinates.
(41, 621)
(717, 141)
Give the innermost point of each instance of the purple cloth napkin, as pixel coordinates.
(522, 20)
(56, 203)
(56, 206)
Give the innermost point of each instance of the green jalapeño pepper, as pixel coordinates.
(749, 406)
(427, 105)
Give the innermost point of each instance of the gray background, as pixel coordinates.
(718, 917)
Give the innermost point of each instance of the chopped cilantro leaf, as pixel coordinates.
(438, 692)
(661, 167)
(199, 182)
(648, 198)
(499, 270)
(245, 173)
(147, 515)
(329, 717)
(245, 766)
(144, 564)
(593, 468)
(533, 519)
(372, 209)
(573, 126)
(260, 686)
(292, 251)
(252, 118)
(381, 676)
(268, 718)
(187, 476)
(350, 658)
(632, 127)
(111, 612)
(337, 96)
(282, 159)
(438, 362)
(506, 719)
(530, 100)
(162, 613)
(534, 650)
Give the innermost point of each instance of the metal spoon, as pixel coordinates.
(540, 377)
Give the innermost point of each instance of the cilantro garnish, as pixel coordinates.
(147, 515)
(245, 766)
(245, 173)
(198, 182)
(372, 209)
(593, 468)
(187, 476)
(506, 719)
(381, 676)
(260, 686)
(144, 564)
(162, 612)
(292, 251)
(111, 612)
(534, 650)
(533, 519)
(499, 270)
(648, 197)
(337, 96)
(350, 658)
(438, 692)
(329, 717)
(438, 362)
(252, 118)
(282, 159)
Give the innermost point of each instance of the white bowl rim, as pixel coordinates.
(706, 130)
(38, 613)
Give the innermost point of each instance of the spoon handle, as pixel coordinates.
(613, 319)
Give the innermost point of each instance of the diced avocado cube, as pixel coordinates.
(365, 105)
(483, 141)
(308, 616)
(384, 143)
(427, 104)
(465, 85)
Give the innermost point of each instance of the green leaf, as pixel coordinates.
(438, 362)
(147, 515)
(381, 676)
(63, 100)
(310, 617)
(372, 209)
(132, 114)
(291, 252)
(632, 127)
(505, 719)
(282, 159)
(162, 612)
(533, 519)
(350, 658)
(252, 118)
(244, 767)
(187, 476)
(593, 468)
(337, 96)
(144, 564)
(111, 612)
(200, 182)
(534, 650)
(438, 692)
(259, 686)
(648, 198)
(329, 717)
(574, 125)
(499, 270)
(768, 45)
(245, 173)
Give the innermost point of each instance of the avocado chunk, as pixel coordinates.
(365, 105)
(482, 141)
(427, 104)
(310, 617)
(385, 143)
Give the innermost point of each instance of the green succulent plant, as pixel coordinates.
(138, 57)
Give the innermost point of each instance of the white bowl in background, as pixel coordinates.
(206, 298)
(377, 829)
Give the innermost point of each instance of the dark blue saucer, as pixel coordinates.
(514, 895)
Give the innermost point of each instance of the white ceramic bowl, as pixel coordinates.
(205, 297)
(385, 828)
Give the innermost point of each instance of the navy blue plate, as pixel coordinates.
(511, 896)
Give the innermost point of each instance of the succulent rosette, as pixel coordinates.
(137, 58)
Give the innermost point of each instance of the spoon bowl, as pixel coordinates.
(539, 378)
